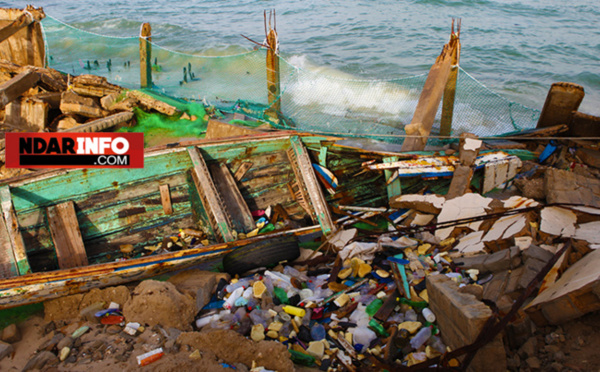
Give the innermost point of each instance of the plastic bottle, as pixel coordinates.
(420, 338)
(437, 343)
(410, 315)
(239, 314)
(317, 332)
(281, 295)
(374, 306)
(363, 336)
(428, 315)
(230, 302)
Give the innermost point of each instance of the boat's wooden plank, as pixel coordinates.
(212, 202)
(242, 169)
(68, 243)
(314, 191)
(14, 235)
(68, 185)
(241, 218)
(165, 198)
(15, 87)
(8, 264)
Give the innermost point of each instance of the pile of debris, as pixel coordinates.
(35, 99)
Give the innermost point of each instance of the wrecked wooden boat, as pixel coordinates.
(68, 231)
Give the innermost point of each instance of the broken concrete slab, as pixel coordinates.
(461, 317)
(466, 206)
(589, 232)
(575, 293)
(558, 221)
(506, 227)
(429, 203)
(567, 187)
(471, 243)
(503, 260)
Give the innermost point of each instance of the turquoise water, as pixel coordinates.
(516, 48)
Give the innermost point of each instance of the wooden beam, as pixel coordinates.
(273, 74)
(12, 28)
(241, 218)
(16, 86)
(14, 235)
(145, 56)
(165, 199)
(306, 178)
(211, 200)
(26, 46)
(66, 236)
(450, 89)
(429, 101)
(103, 123)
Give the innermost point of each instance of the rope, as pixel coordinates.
(90, 32)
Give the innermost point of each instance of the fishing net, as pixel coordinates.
(313, 99)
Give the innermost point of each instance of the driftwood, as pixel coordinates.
(27, 113)
(103, 123)
(16, 86)
(152, 104)
(73, 103)
(429, 101)
(94, 86)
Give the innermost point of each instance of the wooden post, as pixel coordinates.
(273, 81)
(450, 90)
(429, 101)
(145, 56)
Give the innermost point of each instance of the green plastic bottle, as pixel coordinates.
(374, 306)
(378, 328)
(281, 295)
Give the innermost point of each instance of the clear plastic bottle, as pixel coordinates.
(230, 301)
(420, 338)
(363, 336)
(428, 315)
(437, 343)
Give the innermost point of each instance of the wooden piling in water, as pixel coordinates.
(450, 89)
(273, 76)
(145, 56)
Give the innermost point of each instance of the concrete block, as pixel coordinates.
(460, 318)
(530, 269)
(567, 187)
(537, 253)
(576, 293)
(503, 260)
(473, 262)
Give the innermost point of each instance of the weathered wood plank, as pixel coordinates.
(211, 200)
(151, 103)
(429, 101)
(52, 190)
(102, 123)
(16, 86)
(14, 235)
(66, 236)
(146, 56)
(15, 26)
(28, 113)
(26, 46)
(307, 175)
(241, 218)
(241, 171)
(8, 264)
(165, 198)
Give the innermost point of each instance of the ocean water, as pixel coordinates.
(516, 48)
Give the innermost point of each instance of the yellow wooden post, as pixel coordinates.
(145, 56)
(450, 90)
(273, 81)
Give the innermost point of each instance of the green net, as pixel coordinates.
(313, 98)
